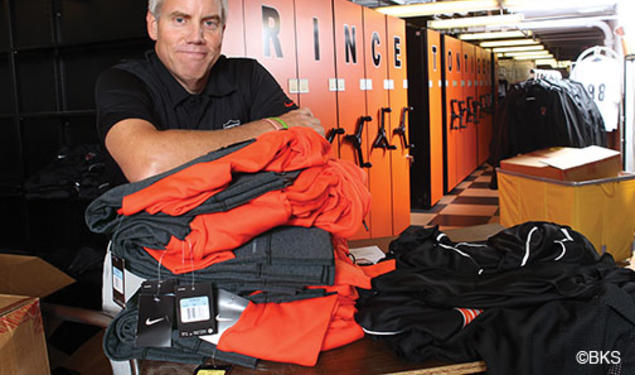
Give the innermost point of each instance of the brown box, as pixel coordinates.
(567, 164)
(23, 280)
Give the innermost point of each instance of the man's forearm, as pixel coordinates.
(143, 151)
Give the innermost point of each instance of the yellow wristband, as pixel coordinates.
(281, 122)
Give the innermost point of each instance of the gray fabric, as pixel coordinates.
(280, 263)
(119, 345)
(101, 214)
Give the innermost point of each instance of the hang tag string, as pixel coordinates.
(191, 262)
(158, 291)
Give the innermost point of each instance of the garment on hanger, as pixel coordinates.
(542, 113)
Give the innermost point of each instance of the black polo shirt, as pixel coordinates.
(239, 90)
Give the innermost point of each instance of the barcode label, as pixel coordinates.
(194, 309)
(117, 280)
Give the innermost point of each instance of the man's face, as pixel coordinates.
(188, 35)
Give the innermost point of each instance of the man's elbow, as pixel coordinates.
(141, 169)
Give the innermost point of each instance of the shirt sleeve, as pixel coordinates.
(268, 98)
(120, 95)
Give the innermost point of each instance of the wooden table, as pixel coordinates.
(364, 357)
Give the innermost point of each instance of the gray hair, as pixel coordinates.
(154, 6)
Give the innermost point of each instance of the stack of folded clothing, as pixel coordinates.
(265, 219)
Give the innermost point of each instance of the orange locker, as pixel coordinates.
(398, 100)
(485, 118)
(316, 63)
(376, 86)
(435, 84)
(349, 66)
(467, 152)
(270, 38)
(454, 109)
(234, 36)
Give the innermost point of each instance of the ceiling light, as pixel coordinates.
(578, 22)
(506, 19)
(534, 57)
(506, 43)
(579, 5)
(519, 49)
(551, 62)
(495, 35)
(521, 54)
(439, 7)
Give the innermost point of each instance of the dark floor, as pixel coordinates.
(470, 203)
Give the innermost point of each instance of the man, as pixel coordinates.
(185, 99)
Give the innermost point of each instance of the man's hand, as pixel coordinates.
(303, 117)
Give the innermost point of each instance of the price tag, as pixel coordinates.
(212, 370)
(118, 282)
(195, 306)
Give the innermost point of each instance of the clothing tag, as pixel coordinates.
(118, 282)
(367, 255)
(195, 309)
(156, 314)
(213, 370)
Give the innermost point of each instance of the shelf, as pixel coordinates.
(44, 114)
(106, 44)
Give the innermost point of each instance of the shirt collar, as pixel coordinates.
(219, 82)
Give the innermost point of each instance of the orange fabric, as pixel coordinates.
(331, 196)
(297, 331)
(380, 268)
(294, 149)
(213, 236)
(284, 332)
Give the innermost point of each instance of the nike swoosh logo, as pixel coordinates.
(221, 319)
(150, 322)
(289, 104)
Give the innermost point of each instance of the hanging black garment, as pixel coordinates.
(540, 113)
(538, 292)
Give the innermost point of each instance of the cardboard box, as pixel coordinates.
(23, 280)
(567, 164)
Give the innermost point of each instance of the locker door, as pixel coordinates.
(376, 98)
(436, 116)
(485, 117)
(453, 105)
(234, 38)
(376, 86)
(349, 66)
(270, 38)
(316, 62)
(398, 99)
(470, 153)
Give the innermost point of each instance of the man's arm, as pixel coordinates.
(142, 151)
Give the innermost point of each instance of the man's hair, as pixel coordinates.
(154, 6)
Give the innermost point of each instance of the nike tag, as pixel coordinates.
(195, 309)
(156, 314)
(151, 322)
